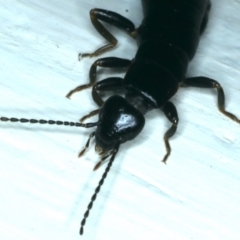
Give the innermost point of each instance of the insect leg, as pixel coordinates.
(114, 19)
(108, 84)
(204, 82)
(170, 112)
(108, 62)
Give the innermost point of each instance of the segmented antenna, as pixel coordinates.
(97, 190)
(51, 122)
(112, 154)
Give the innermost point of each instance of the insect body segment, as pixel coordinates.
(167, 38)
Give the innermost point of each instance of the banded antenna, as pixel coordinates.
(110, 154)
(51, 122)
(97, 190)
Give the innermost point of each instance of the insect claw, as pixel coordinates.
(165, 159)
(68, 95)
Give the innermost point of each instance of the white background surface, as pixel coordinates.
(45, 188)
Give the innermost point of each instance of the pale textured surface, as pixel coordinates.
(45, 188)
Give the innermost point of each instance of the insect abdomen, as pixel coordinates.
(176, 22)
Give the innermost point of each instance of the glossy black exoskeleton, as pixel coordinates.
(167, 38)
(123, 124)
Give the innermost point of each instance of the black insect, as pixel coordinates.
(168, 38)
